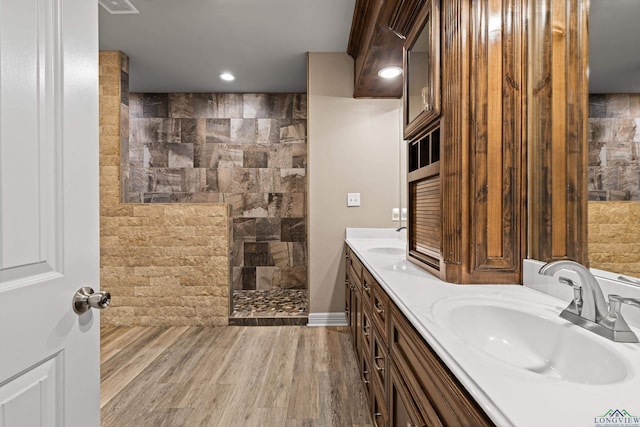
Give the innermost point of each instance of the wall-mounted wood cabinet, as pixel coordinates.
(511, 131)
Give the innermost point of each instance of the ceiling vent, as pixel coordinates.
(118, 7)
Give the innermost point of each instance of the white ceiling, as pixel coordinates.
(183, 45)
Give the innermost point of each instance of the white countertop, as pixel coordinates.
(510, 396)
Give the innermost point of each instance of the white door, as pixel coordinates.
(49, 224)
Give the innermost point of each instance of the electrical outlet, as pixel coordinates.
(353, 199)
(395, 214)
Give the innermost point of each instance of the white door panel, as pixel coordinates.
(34, 397)
(49, 235)
(25, 78)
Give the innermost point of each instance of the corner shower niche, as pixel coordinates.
(247, 150)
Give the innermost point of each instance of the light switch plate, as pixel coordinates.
(395, 214)
(403, 215)
(353, 199)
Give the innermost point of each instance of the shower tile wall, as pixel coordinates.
(248, 150)
(614, 147)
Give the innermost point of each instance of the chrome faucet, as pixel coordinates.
(594, 306)
(589, 308)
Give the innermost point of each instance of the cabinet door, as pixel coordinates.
(402, 410)
(379, 414)
(366, 376)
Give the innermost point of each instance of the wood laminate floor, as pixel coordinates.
(272, 376)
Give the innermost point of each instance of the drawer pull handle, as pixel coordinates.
(366, 287)
(377, 307)
(364, 377)
(378, 368)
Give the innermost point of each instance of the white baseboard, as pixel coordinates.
(327, 319)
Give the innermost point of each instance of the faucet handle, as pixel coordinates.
(616, 322)
(615, 302)
(576, 305)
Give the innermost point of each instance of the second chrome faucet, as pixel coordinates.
(589, 308)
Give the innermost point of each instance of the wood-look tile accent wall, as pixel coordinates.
(614, 146)
(248, 150)
(163, 264)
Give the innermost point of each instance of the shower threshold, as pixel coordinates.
(269, 307)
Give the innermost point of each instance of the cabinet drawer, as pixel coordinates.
(367, 375)
(438, 395)
(367, 333)
(380, 311)
(367, 286)
(380, 357)
(354, 263)
(402, 407)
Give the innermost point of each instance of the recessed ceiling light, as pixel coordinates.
(390, 72)
(227, 76)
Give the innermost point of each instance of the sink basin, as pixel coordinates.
(533, 340)
(387, 250)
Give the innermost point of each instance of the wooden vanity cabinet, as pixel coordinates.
(405, 382)
(436, 394)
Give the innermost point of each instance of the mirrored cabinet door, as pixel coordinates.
(422, 71)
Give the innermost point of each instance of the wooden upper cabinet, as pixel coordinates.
(482, 161)
(503, 85)
(512, 130)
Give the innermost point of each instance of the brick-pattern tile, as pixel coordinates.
(614, 237)
(163, 264)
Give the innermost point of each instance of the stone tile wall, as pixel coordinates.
(163, 264)
(248, 150)
(614, 147)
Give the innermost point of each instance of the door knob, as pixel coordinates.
(86, 298)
